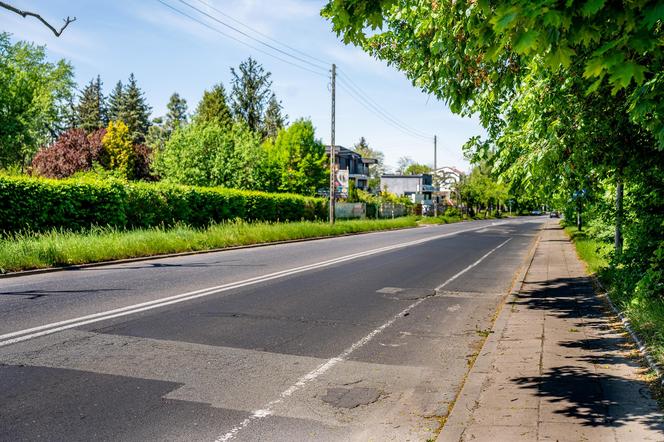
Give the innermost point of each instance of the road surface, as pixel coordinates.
(365, 337)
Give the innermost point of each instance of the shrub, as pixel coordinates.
(37, 204)
(119, 147)
(74, 151)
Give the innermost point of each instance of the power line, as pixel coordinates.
(324, 63)
(239, 40)
(379, 112)
(363, 94)
(257, 40)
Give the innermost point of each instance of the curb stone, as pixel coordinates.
(643, 349)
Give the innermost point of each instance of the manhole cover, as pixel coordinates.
(350, 397)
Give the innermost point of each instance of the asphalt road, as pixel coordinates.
(356, 338)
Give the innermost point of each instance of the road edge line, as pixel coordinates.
(454, 424)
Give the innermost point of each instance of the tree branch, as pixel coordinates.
(39, 17)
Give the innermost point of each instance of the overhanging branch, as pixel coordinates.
(39, 17)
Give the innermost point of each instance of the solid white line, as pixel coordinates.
(267, 410)
(46, 329)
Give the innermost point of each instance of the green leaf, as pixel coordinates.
(561, 56)
(526, 42)
(594, 67)
(622, 74)
(593, 87)
(652, 15)
(504, 18)
(592, 7)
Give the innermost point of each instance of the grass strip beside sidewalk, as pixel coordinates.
(60, 248)
(645, 314)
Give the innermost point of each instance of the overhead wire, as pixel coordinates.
(358, 90)
(257, 40)
(346, 82)
(376, 110)
(324, 63)
(215, 29)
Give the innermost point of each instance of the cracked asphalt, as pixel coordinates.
(356, 350)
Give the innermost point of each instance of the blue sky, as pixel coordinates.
(168, 52)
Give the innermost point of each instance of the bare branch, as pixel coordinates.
(39, 17)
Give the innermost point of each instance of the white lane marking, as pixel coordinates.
(47, 329)
(267, 410)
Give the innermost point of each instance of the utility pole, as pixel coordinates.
(333, 189)
(435, 169)
(435, 153)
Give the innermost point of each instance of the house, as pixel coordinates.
(357, 167)
(419, 188)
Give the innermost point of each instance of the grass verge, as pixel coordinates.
(60, 248)
(645, 314)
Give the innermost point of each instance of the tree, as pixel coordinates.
(375, 170)
(135, 112)
(470, 51)
(177, 112)
(91, 109)
(274, 120)
(206, 154)
(302, 158)
(250, 93)
(403, 164)
(213, 108)
(417, 169)
(127, 104)
(74, 151)
(116, 102)
(118, 145)
(34, 95)
(24, 14)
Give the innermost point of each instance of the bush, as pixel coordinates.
(74, 151)
(36, 204)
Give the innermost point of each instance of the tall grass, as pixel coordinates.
(60, 248)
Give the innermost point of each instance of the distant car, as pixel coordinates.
(554, 214)
(536, 212)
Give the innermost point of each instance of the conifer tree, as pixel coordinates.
(213, 108)
(91, 109)
(273, 120)
(116, 102)
(250, 93)
(135, 112)
(177, 113)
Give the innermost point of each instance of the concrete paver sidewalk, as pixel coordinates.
(555, 369)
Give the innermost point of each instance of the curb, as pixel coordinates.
(643, 349)
(466, 399)
(193, 252)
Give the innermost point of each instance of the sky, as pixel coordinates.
(168, 52)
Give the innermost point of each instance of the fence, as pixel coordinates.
(350, 210)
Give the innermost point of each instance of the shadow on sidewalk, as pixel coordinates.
(596, 398)
(593, 399)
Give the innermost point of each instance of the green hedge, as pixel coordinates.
(36, 204)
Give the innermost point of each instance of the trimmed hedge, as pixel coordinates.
(38, 204)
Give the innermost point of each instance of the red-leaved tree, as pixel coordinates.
(74, 151)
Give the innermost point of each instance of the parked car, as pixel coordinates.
(536, 212)
(554, 214)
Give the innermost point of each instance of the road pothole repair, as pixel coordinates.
(406, 294)
(350, 397)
